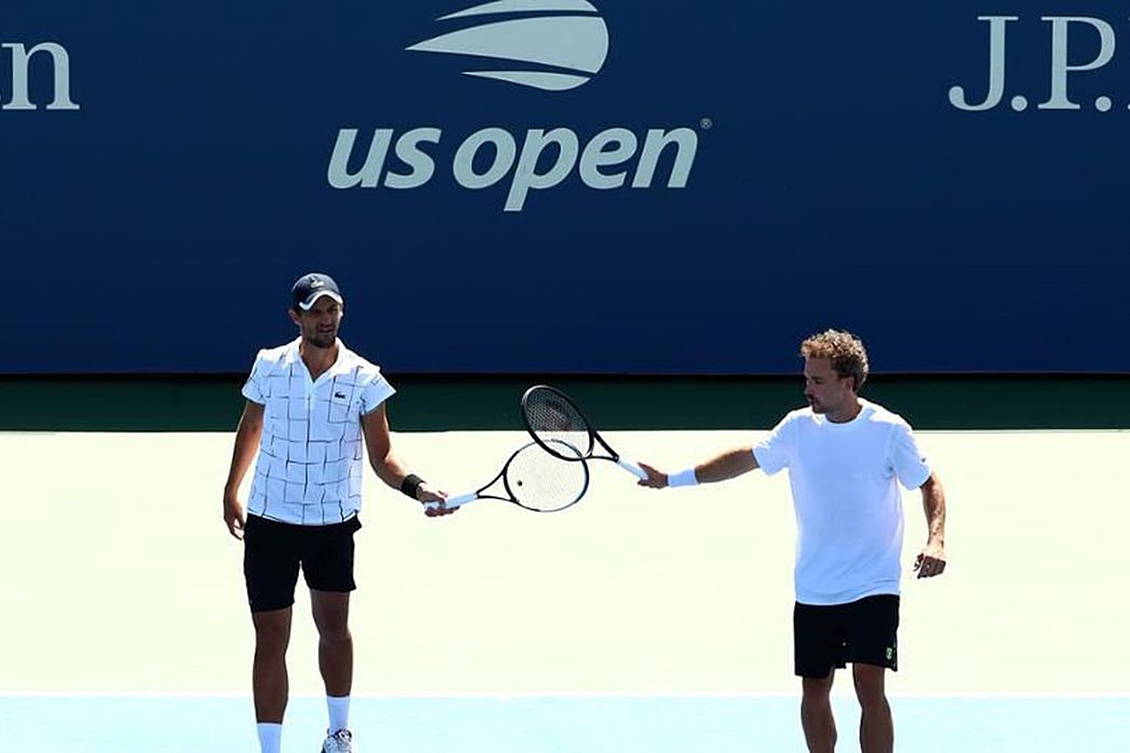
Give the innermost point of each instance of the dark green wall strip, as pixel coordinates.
(428, 403)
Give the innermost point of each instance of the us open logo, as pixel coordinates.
(547, 45)
(555, 52)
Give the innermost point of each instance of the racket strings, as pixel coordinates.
(540, 481)
(554, 419)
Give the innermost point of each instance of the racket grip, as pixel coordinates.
(632, 468)
(452, 502)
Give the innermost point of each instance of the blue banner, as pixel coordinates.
(599, 187)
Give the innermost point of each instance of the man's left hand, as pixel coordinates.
(931, 560)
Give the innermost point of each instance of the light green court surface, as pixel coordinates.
(121, 579)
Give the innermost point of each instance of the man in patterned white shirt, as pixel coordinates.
(310, 403)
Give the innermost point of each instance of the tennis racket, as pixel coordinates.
(534, 480)
(555, 422)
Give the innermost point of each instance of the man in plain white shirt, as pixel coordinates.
(314, 410)
(846, 458)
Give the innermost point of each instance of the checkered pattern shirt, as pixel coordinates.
(310, 461)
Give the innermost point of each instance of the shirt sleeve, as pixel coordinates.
(777, 449)
(377, 390)
(253, 388)
(906, 459)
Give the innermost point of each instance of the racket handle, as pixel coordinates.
(452, 502)
(632, 468)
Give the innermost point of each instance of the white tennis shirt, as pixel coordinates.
(310, 461)
(845, 486)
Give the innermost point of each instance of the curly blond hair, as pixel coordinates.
(843, 349)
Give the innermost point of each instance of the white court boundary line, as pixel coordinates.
(572, 695)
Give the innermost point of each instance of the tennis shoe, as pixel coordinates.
(339, 742)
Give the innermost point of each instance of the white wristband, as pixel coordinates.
(683, 478)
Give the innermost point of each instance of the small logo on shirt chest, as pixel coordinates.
(339, 395)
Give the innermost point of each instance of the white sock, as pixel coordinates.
(339, 712)
(270, 737)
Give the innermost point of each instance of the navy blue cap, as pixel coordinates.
(311, 286)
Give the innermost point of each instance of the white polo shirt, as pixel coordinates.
(310, 461)
(845, 486)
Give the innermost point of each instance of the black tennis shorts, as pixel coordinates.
(273, 552)
(863, 632)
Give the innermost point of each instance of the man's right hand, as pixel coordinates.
(234, 518)
(426, 495)
(655, 479)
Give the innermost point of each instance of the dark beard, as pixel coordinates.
(322, 341)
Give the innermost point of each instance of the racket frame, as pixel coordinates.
(462, 499)
(594, 435)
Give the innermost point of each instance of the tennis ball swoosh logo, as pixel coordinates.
(560, 47)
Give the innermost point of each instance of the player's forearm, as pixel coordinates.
(247, 438)
(934, 505)
(726, 466)
(389, 468)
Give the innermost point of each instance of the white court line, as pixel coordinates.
(572, 695)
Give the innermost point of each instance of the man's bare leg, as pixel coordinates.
(816, 713)
(269, 683)
(876, 726)
(335, 643)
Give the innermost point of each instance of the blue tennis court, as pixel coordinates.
(580, 724)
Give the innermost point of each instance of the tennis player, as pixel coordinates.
(846, 458)
(309, 404)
